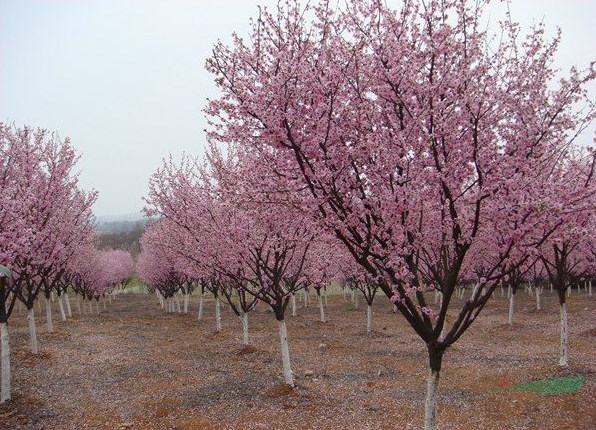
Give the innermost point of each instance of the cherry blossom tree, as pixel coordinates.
(250, 238)
(44, 219)
(413, 135)
(562, 255)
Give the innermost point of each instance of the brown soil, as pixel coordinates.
(248, 349)
(134, 367)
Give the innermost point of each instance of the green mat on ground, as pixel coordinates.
(550, 386)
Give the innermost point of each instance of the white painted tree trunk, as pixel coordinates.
(244, 321)
(326, 301)
(443, 330)
(430, 406)
(39, 307)
(79, 304)
(569, 291)
(49, 321)
(564, 335)
(474, 290)
(502, 292)
(538, 307)
(186, 300)
(305, 298)
(356, 301)
(511, 307)
(285, 354)
(5, 363)
(321, 309)
(32, 331)
(68, 308)
(177, 299)
(293, 305)
(509, 292)
(590, 288)
(61, 306)
(368, 318)
(217, 316)
(201, 307)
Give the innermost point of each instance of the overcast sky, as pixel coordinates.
(125, 79)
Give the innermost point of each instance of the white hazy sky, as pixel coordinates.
(125, 79)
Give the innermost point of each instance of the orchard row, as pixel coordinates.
(46, 235)
(405, 151)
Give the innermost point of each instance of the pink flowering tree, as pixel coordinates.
(159, 268)
(252, 241)
(412, 136)
(564, 255)
(44, 219)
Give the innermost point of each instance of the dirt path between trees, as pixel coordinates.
(134, 367)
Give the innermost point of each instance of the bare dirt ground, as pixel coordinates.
(134, 367)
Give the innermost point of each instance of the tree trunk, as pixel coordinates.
(368, 318)
(325, 294)
(435, 357)
(293, 305)
(590, 288)
(5, 363)
(32, 330)
(356, 300)
(68, 308)
(321, 308)
(217, 316)
(430, 406)
(97, 306)
(285, 354)
(201, 305)
(61, 306)
(244, 321)
(49, 321)
(186, 300)
(39, 309)
(538, 299)
(511, 306)
(177, 300)
(79, 304)
(564, 335)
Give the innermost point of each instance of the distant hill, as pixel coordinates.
(120, 232)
